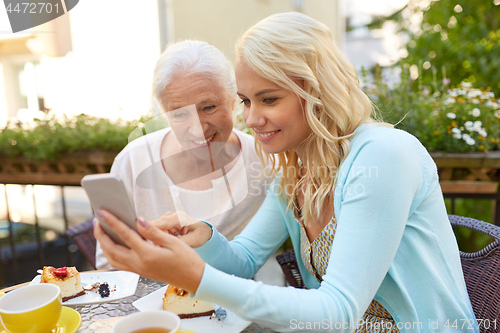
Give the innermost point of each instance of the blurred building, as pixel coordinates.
(99, 58)
(366, 47)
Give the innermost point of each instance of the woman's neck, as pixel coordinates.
(302, 156)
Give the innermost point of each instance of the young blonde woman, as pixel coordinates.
(360, 200)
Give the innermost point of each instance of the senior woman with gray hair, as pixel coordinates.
(199, 166)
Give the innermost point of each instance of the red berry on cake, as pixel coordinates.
(63, 271)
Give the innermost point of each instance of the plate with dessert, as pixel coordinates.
(196, 315)
(89, 287)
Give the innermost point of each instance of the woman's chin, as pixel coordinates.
(270, 150)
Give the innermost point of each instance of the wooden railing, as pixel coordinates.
(471, 176)
(69, 169)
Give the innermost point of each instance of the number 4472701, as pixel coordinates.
(469, 324)
(33, 8)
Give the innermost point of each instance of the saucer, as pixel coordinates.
(69, 322)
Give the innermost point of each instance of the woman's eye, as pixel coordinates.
(245, 102)
(179, 115)
(269, 100)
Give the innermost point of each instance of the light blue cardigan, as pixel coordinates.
(393, 243)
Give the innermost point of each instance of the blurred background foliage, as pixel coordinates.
(49, 138)
(454, 120)
(460, 38)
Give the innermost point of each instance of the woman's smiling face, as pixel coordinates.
(274, 113)
(199, 111)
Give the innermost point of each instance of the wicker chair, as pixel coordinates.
(83, 236)
(288, 263)
(481, 272)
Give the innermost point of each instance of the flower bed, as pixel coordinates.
(447, 119)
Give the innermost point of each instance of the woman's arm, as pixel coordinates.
(244, 255)
(166, 253)
(370, 226)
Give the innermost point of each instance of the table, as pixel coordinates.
(99, 318)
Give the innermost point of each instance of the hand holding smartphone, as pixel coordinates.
(106, 191)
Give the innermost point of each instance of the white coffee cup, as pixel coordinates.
(148, 319)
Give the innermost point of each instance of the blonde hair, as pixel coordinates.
(289, 46)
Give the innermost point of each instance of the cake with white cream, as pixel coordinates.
(67, 278)
(177, 300)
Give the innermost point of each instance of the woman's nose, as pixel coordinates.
(254, 117)
(198, 126)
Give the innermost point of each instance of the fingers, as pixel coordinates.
(168, 222)
(191, 239)
(127, 235)
(154, 234)
(115, 253)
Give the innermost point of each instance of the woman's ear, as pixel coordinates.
(233, 103)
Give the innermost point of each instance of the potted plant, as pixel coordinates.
(60, 150)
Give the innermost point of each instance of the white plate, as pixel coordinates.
(231, 324)
(125, 282)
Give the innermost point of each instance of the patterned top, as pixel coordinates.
(315, 257)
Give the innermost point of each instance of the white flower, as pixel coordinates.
(497, 114)
(455, 130)
(450, 100)
(490, 95)
(451, 115)
(474, 93)
(466, 85)
(469, 124)
(477, 125)
(475, 101)
(466, 137)
(470, 142)
(452, 93)
(435, 113)
(483, 133)
(476, 112)
(457, 136)
(490, 103)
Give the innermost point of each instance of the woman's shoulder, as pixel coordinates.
(382, 137)
(136, 146)
(385, 146)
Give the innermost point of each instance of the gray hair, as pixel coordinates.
(192, 57)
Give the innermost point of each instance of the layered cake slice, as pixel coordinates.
(67, 278)
(177, 300)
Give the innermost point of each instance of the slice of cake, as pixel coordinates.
(177, 300)
(67, 278)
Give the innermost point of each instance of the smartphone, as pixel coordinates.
(107, 191)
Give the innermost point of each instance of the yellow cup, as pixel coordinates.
(35, 309)
(148, 319)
